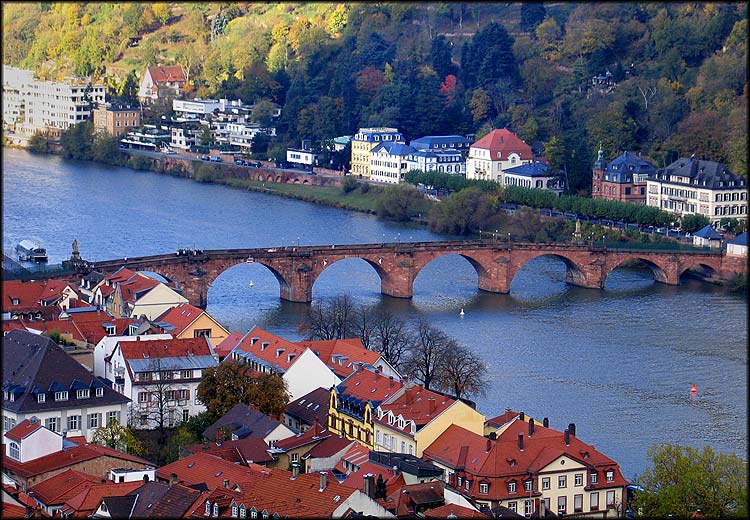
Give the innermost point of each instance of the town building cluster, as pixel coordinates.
(356, 437)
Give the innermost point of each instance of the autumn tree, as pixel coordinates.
(682, 479)
(232, 382)
(119, 437)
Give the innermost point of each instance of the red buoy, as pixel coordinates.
(694, 389)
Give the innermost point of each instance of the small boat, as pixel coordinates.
(251, 283)
(30, 251)
(462, 312)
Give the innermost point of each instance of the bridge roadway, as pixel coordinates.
(398, 264)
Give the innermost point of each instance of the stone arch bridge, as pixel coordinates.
(398, 264)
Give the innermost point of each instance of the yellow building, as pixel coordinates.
(415, 417)
(364, 141)
(353, 402)
(188, 321)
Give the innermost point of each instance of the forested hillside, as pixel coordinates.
(677, 83)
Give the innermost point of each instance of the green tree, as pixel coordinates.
(462, 213)
(532, 14)
(400, 202)
(230, 382)
(77, 141)
(119, 437)
(683, 479)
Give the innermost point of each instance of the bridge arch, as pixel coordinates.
(384, 276)
(474, 259)
(705, 268)
(575, 273)
(659, 272)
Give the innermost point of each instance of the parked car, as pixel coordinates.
(205, 158)
(215, 158)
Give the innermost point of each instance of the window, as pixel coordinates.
(484, 488)
(8, 423)
(166, 375)
(94, 420)
(243, 511)
(610, 499)
(577, 503)
(579, 479)
(511, 486)
(528, 507)
(74, 422)
(52, 424)
(545, 482)
(14, 451)
(40, 398)
(145, 376)
(562, 481)
(186, 374)
(185, 415)
(594, 501)
(528, 485)
(197, 333)
(594, 478)
(235, 510)
(113, 416)
(82, 394)
(143, 397)
(99, 392)
(61, 396)
(208, 508)
(610, 476)
(295, 457)
(561, 504)
(467, 484)
(216, 509)
(512, 505)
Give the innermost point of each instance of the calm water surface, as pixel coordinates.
(619, 362)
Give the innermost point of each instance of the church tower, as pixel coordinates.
(598, 174)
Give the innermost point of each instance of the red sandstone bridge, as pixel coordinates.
(398, 264)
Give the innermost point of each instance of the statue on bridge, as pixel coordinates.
(76, 256)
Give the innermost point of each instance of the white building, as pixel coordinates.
(698, 187)
(55, 106)
(738, 245)
(495, 152)
(161, 378)
(103, 353)
(389, 162)
(450, 161)
(15, 83)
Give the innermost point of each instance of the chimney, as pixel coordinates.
(431, 405)
(493, 435)
(567, 437)
(295, 471)
(323, 480)
(489, 445)
(522, 416)
(545, 422)
(531, 427)
(369, 481)
(172, 479)
(407, 394)
(572, 429)
(520, 441)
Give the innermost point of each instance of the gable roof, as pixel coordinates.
(268, 349)
(203, 468)
(160, 500)
(165, 348)
(311, 406)
(35, 364)
(227, 344)
(66, 457)
(708, 232)
(505, 142)
(740, 240)
(415, 404)
(184, 315)
(341, 355)
(30, 293)
(243, 451)
(454, 511)
(368, 385)
(60, 487)
(89, 496)
(162, 74)
(254, 423)
(23, 430)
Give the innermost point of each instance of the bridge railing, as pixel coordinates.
(38, 273)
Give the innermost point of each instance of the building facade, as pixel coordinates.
(623, 179)
(389, 162)
(497, 151)
(364, 141)
(116, 118)
(698, 187)
(161, 84)
(443, 161)
(533, 175)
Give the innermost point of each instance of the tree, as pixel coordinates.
(462, 213)
(156, 400)
(231, 382)
(441, 57)
(683, 479)
(332, 318)
(380, 487)
(262, 113)
(388, 335)
(532, 14)
(426, 358)
(463, 371)
(118, 437)
(399, 202)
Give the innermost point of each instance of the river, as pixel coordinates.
(619, 362)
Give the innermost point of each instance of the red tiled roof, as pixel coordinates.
(227, 344)
(203, 468)
(19, 495)
(356, 479)
(271, 353)
(22, 430)
(247, 450)
(29, 294)
(121, 275)
(64, 458)
(136, 287)
(404, 499)
(58, 488)
(367, 385)
(340, 355)
(13, 511)
(9, 325)
(181, 316)
(505, 142)
(84, 503)
(415, 404)
(503, 418)
(328, 447)
(63, 327)
(164, 348)
(160, 74)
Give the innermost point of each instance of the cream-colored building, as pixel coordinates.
(364, 141)
(698, 187)
(497, 151)
(389, 162)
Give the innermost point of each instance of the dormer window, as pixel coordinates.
(82, 394)
(61, 396)
(216, 509)
(40, 398)
(511, 487)
(243, 511)
(208, 509)
(15, 301)
(610, 476)
(99, 392)
(235, 511)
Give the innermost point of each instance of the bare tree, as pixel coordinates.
(332, 319)
(463, 371)
(425, 359)
(391, 337)
(156, 402)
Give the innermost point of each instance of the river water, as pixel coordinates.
(618, 362)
